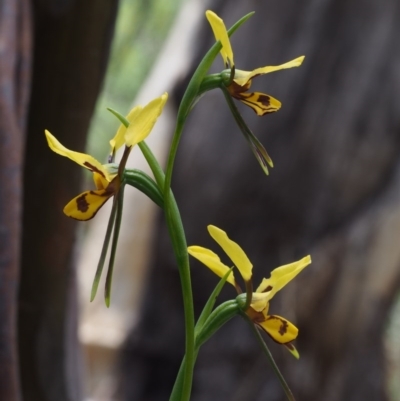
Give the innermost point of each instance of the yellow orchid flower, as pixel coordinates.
(261, 103)
(87, 204)
(278, 328)
(141, 122)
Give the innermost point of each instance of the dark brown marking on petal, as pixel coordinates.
(255, 317)
(235, 89)
(94, 169)
(259, 102)
(82, 204)
(283, 328)
(269, 288)
(284, 325)
(264, 100)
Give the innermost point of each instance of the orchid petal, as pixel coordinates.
(280, 329)
(261, 103)
(100, 181)
(282, 275)
(87, 204)
(259, 301)
(242, 77)
(212, 261)
(221, 34)
(82, 159)
(119, 138)
(141, 126)
(233, 250)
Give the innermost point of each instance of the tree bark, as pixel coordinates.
(15, 62)
(333, 193)
(72, 40)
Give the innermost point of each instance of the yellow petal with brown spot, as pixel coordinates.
(143, 123)
(280, 329)
(220, 33)
(260, 102)
(212, 261)
(242, 77)
(119, 138)
(282, 275)
(82, 159)
(87, 204)
(233, 250)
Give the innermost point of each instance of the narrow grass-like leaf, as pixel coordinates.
(117, 226)
(255, 145)
(218, 317)
(211, 302)
(104, 249)
(271, 360)
(120, 117)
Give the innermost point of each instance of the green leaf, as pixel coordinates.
(211, 302)
(255, 145)
(141, 181)
(118, 219)
(104, 249)
(120, 117)
(271, 360)
(216, 320)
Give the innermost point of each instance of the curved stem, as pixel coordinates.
(217, 319)
(189, 97)
(173, 218)
(178, 238)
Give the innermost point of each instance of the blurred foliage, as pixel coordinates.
(142, 26)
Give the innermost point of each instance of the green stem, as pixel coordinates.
(271, 360)
(178, 238)
(205, 330)
(172, 215)
(176, 393)
(173, 219)
(189, 98)
(177, 234)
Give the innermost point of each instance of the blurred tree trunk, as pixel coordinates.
(72, 41)
(15, 65)
(334, 193)
(70, 47)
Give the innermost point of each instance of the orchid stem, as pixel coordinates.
(172, 215)
(178, 238)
